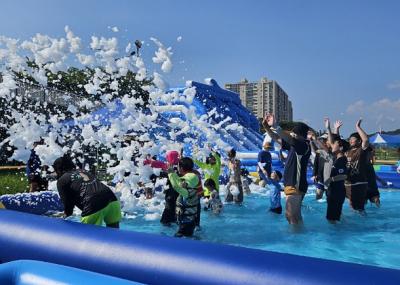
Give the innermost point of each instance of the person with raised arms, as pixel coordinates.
(295, 171)
(357, 162)
(335, 172)
(211, 169)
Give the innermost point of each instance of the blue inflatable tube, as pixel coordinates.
(38, 203)
(154, 259)
(29, 272)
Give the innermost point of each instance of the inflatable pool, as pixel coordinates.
(39, 203)
(153, 259)
(29, 272)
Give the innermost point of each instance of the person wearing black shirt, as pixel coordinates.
(357, 162)
(295, 172)
(336, 191)
(81, 189)
(318, 171)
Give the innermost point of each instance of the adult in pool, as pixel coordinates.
(187, 202)
(357, 162)
(81, 189)
(295, 172)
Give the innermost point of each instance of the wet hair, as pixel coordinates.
(244, 172)
(301, 129)
(186, 163)
(355, 135)
(345, 145)
(212, 156)
(63, 164)
(267, 146)
(278, 173)
(209, 183)
(342, 143)
(232, 153)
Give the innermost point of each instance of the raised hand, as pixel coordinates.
(269, 120)
(338, 124)
(358, 124)
(327, 123)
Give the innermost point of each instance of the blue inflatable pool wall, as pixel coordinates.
(29, 272)
(154, 259)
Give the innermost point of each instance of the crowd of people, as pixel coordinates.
(341, 168)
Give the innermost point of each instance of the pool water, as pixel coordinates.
(373, 239)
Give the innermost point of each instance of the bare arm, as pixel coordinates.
(338, 124)
(316, 144)
(363, 135)
(268, 123)
(328, 129)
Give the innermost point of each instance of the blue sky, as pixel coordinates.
(335, 58)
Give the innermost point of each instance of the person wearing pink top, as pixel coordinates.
(155, 163)
(169, 215)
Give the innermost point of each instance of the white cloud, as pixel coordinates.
(356, 107)
(384, 112)
(394, 85)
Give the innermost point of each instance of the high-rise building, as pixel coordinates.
(264, 96)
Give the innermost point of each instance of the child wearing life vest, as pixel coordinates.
(187, 202)
(211, 169)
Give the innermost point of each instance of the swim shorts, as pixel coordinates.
(110, 214)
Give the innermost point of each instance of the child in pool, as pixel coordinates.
(275, 197)
(213, 202)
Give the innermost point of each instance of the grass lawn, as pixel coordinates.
(13, 181)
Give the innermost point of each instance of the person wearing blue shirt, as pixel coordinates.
(264, 162)
(33, 171)
(276, 188)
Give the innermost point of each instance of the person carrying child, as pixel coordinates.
(234, 187)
